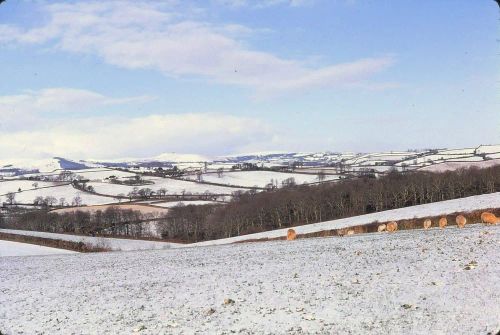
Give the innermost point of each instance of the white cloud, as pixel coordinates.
(39, 124)
(264, 3)
(145, 35)
(32, 107)
(108, 138)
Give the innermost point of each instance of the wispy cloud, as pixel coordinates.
(31, 107)
(145, 35)
(37, 124)
(264, 3)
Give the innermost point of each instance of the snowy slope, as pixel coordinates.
(171, 204)
(411, 282)
(9, 248)
(173, 186)
(24, 185)
(117, 244)
(452, 166)
(443, 207)
(259, 178)
(65, 191)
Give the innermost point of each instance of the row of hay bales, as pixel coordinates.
(486, 218)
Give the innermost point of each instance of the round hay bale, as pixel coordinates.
(350, 232)
(392, 226)
(291, 235)
(489, 218)
(381, 228)
(427, 224)
(461, 221)
(443, 222)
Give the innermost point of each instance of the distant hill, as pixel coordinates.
(429, 159)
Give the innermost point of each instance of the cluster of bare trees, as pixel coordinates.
(63, 176)
(50, 201)
(294, 205)
(111, 221)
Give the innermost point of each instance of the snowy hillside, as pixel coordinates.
(116, 244)
(260, 178)
(409, 282)
(9, 248)
(354, 162)
(181, 177)
(421, 211)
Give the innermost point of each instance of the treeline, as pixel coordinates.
(111, 221)
(296, 205)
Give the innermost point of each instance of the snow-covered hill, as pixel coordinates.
(354, 162)
(428, 210)
(409, 282)
(467, 204)
(9, 248)
(115, 244)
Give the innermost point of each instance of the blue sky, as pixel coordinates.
(136, 79)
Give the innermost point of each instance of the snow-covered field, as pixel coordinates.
(24, 185)
(434, 209)
(443, 207)
(9, 248)
(143, 208)
(173, 186)
(117, 244)
(408, 282)
(171, 204)
(102, 173)
(259, 178)
(67, 192)
(452, 166)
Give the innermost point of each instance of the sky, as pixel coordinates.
(114, 79)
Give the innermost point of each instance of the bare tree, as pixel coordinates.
(77, 201)
(50, 200)
(65, 176)
(39, 201)
(162, 192)
(199, 176)
(220, 172)
(11, 197)
(62, 202)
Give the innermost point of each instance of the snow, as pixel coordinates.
(9, 248)
(24, 185)
(65, 191)
(176, 157)
(173, 186)
(421, 211)
(259, 178)
(144, 208)
(116, 244)
(485, 149)
(408, 282)
(451, 166)
(171, 204)
(465, 151)
(100, 174)
(43, 165)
